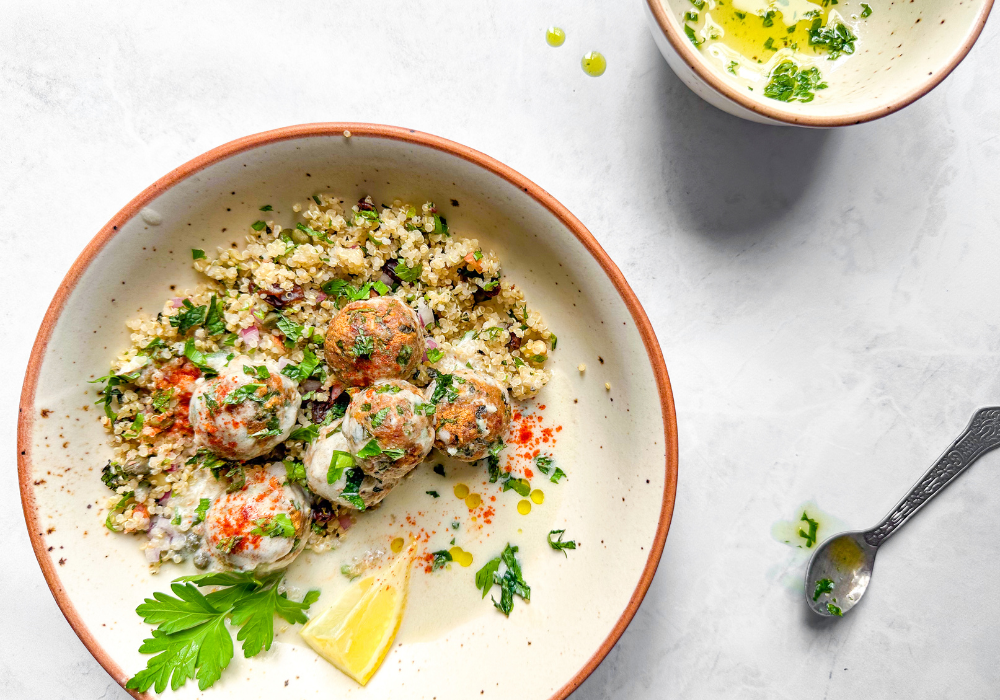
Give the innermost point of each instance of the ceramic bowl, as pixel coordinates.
(904, 50)
(618, 445)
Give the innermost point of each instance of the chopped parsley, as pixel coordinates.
(810, 536)
(441, 558)
(543, 463)
(372, 449)
(834, 610)
(215, 324)
(518, 485)
(339, 462)
(511, 581)
(135, 429)
(443, 390)
(291, 329)
(352, 490)
(824, 585)
(201, 510)
(260, 372)
(439, 469)
(110, 392)
(425, 409)
(161, 399)
(440, 226)
(866, 10)
(557, 474)
(197, 253)
(364, 346)
(558, 544)
(306, 433)
(192, 640)
(267, 207)
(433, 355)
(403, 358)
(378, 418)
(243, 393)
(789, 84)
(198, 358)
(692, 36)
(303, 370)
(258, 225)
(435, 494)
(407, 274)
(188, 317)
(278, 526)
(836, 39)
(295, 471)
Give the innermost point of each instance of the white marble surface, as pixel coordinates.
(826, 301)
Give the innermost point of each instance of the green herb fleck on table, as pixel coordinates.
(810, 535)
(197, 253)
(866, 10)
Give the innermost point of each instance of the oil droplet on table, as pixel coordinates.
(461, 556)
(809, 528)
(555, 36)
(396, 545)
(594, 64)
(537, 496)
(524, 506)
(461, 491)
(473, 500)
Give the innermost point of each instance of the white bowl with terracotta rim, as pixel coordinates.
(619, 446)
(904, 50)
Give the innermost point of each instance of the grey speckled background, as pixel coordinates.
(827, 301)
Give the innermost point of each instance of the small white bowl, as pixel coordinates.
(904, 50)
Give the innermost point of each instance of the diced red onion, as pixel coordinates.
(177, 302)
(387, 280)
(430, 342)
(311, 385)
(335, 391)
(152, 555)
(251, 334)
(164, 498)
(321, 297)
(345, 522)
(283, 362)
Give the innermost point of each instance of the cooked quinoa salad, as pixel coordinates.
(259, 413)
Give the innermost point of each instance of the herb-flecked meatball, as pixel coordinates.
(472, 412)
(246, 411)
(262, 526)
(374, 339)
(388, 429)
(332, 473)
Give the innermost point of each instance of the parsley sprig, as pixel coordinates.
(192, 641)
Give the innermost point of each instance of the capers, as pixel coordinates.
(300, 236)
(201, 559)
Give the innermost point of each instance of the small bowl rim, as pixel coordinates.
(26, 408)
(700, 66)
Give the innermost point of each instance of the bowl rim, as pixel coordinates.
(26, 408)
(701, 68)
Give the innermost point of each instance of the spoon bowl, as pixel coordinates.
(838, 573)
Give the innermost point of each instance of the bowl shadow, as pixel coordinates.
(733, 177)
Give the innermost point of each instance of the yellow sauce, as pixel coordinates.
(846, 555)
(555, 36)
(473, 500)
(461, 556)
(397, 545)
(524, 507)
(537, 496)
(594, 64)
(461, 491)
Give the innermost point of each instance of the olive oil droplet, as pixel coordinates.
(555, 36)
(594, 64)
(461, 556)
(473, 500)
(461, 491)
(524, 507)
(397, 545)
(537, 496)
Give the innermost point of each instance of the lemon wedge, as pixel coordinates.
(355, 633)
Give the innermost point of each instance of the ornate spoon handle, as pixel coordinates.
(982, 435)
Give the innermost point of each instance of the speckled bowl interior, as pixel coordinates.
(619, 446)
(905, 48)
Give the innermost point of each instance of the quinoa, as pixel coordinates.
(272, 300)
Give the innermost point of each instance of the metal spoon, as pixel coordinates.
(841, 567)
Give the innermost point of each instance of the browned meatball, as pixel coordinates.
(378, 338)
(388, 429)
(472, 413)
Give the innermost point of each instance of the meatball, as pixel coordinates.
(331, 472)
(472, 413)
(374, 339)
(262, 526)
(387, 428)
(246, 411)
